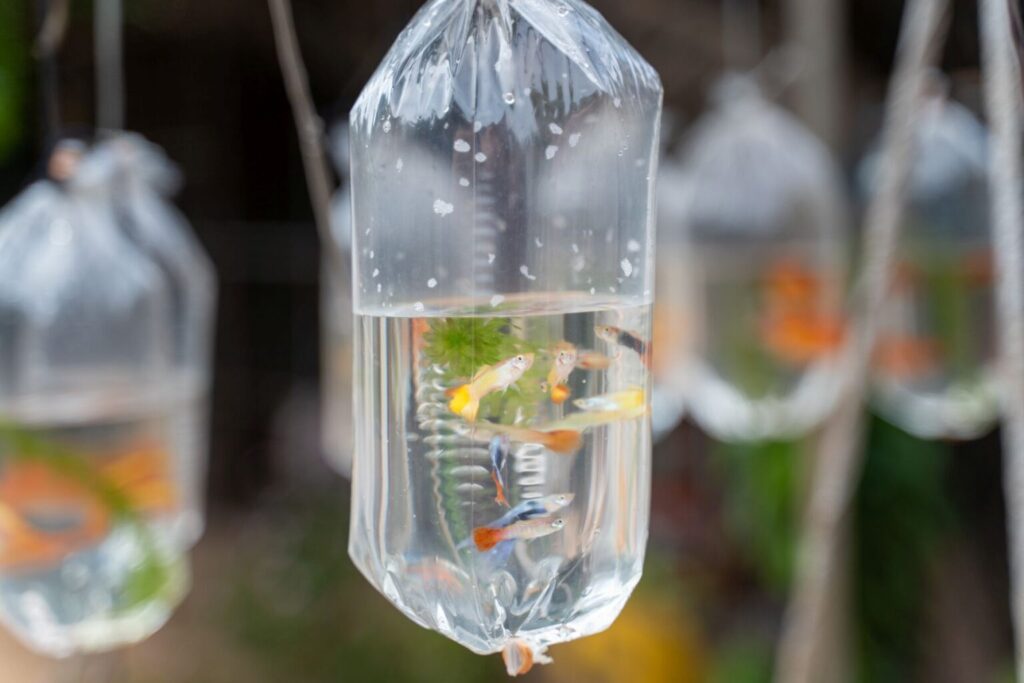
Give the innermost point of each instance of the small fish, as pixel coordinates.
(532, 509)
(592, 360)
(562, 441)
(802, 338)
(465, 400)
(619, 400)
(792, 285)
(499, 448)
(615, 335)
(561, 368)
(485, 537)
(906, 357)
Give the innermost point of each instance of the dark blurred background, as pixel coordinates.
(275, 596)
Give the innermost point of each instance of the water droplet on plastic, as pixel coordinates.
(562, 9)
(536, 240)
(399, 164)
(480, 157)
(418, 306)
(555, 128)
(490, 259)
(575, 248)
(627, 267)
(509, 97)
(478, 126)
(551, 151)
(617, 102)
(633, 246)
(462, 146)
(574, 139)
(464, 182)
(526, 273)
(432, 282)
(496, 300)
(386, 126)
(443, 208)
(376, 272)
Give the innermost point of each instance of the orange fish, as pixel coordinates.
(45, 515)
(906, 357)
(561, 441)
(791, 285)
(801, 339)
(486, 537)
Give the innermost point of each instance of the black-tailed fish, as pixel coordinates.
(465, 399)
(616, 335)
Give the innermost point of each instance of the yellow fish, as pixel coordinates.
(465, 399)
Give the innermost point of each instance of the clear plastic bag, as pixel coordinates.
(93, 489)
(336, 318)
(934, 364)
(503, 163)
(142, 178)
(763, 249)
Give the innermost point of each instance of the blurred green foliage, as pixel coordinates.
(763, 484)
(902, 513)
(305, 613)
(14, 66)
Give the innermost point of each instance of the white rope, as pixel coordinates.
(840, 455)
(1001, 71)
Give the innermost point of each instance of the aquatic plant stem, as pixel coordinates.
(1002, 85)
(308, 125)
(840, 454)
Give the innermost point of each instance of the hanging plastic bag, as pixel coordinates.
(336, 318)
(142, 179)
(764, 254)
(91, 485)
(934, 364)
(503, 161)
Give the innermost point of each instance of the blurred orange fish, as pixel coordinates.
(906, 357)
(45, 515)
(801, 339)
(791, 285)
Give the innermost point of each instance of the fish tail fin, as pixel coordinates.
(462, 402)
(499, 489)
(564, 441)
(560, 394)
(485, 537)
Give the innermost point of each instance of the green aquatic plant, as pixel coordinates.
(464, 345)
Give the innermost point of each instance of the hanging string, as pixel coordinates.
(741, 34)
(108, 42)
(52, 17)
(840, 454)
(1002, 86)
(308, 125)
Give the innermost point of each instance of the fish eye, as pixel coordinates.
(561, 500)
(558, 523)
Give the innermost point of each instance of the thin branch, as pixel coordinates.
(840, 456)
(1001, 71)
(307, 123)
(108, 31)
